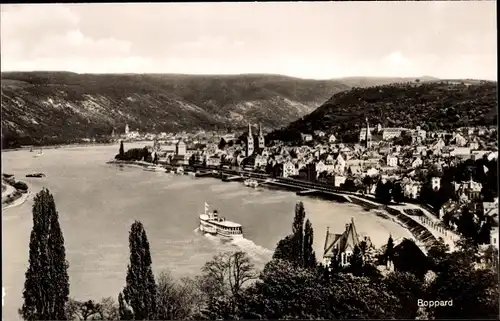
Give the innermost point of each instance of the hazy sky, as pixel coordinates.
(309, 40)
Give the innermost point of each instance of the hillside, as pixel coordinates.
(431, 105)
(378, 81)
(52, 107)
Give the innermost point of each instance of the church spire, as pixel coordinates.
(260, 129)
(249, 130)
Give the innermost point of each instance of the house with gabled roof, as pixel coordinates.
(339, 247)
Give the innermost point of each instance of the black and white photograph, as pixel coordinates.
(249, 160)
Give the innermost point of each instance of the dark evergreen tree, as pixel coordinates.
(121, 152)
(46, 289)
(123, 310)
(466, 225)
(298, 233)
(222, 144)
(389, 250)
(298, 247)
(309, 255)
(140, 291)
(356, 262)
(397, 193)
(383, 193)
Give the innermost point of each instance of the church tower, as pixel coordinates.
(126, 129)
(180, 148)
(250, 142)
(368, 137)
(261, 142)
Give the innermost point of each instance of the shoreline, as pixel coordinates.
(71, 145)
(18, 201)
(27, 148)
(20, 195)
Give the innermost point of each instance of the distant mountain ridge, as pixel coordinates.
(51, 107)
(432, 105)
(48, 107)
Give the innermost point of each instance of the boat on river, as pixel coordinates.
(40, 153)
(154, 169)
(251, 183)
(212, 223)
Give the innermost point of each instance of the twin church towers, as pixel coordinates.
(251, 141)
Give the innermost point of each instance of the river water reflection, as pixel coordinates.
(98, 202)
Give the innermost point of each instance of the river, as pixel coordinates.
(98, 202)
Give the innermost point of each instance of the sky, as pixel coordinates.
(319, 40)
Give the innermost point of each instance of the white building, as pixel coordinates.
(436, 183)
(392, 160)
(289, 169)
(306, 137)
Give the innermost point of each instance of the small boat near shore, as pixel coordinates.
(36, 175)
(40, 153)
(251, 183)
(154, 169)
(212, 223)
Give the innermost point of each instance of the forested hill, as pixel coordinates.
(53, 107)
(431, 105)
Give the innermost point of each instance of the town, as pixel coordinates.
(443, 177)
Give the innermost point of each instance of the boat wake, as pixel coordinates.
(256, 252)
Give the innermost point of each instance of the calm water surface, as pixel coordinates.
(98, 202)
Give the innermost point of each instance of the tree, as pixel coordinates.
(146, 155)
(356, 262)
(223, 280)
(176, 300)
(473, 290)
(408, 289)
(298, 247)
(90, 310)
(382, 192)
(123, 309)
(140, 291)
(298, 233)
(397, 193)
(389, 250)
(121, 152)
(466, 225)
(222, 143)
(309, 255)
(285, 291)
(46, 288)
(284, 249)
(367, 183)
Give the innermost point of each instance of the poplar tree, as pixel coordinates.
(389, 251)
(140, 292)
(46, 288)
(298, 233)
(309, 255)
(298, 246)
(122, 150)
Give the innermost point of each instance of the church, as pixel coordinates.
(250, 147)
